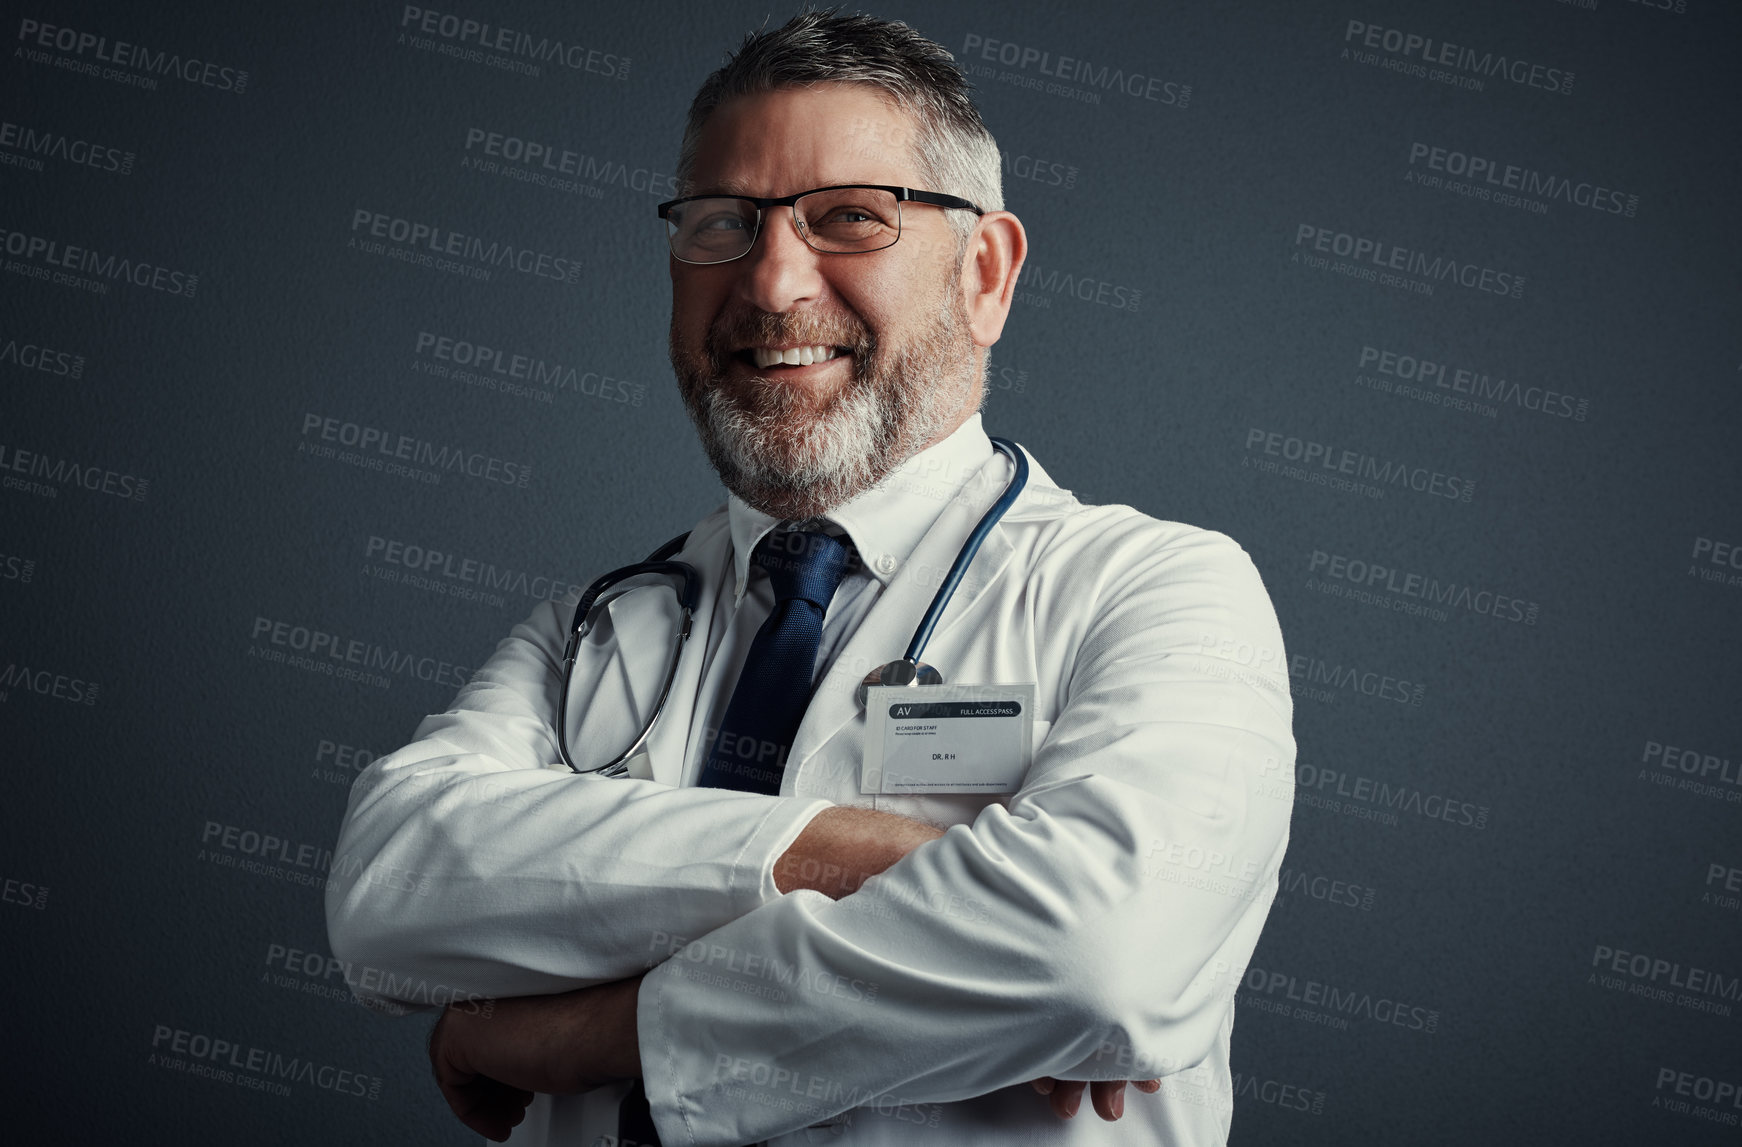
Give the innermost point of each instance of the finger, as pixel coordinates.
(468, 1099)
(1067, 1096)
(505, 1110)
(448, 1076)
(1043, 1085)
(1148, 1085)
(467, 1104)
(447, 1072)
(489, 1107)
(486, 1106)
(1108, 1096)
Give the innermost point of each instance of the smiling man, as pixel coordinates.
(811, 379)
(752, 936)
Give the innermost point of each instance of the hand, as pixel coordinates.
(1107, 1095)
(490, 1060)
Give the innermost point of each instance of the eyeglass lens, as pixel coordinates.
(839, 220)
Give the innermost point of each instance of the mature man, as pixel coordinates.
(730, 946)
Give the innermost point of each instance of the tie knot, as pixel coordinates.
(805, 564)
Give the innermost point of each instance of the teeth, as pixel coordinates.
(795, 356)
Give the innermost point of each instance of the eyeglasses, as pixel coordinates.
(846, 220)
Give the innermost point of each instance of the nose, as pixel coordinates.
(780, 271)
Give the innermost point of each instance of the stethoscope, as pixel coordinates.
(909, 670)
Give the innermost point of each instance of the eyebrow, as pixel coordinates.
(720, 187)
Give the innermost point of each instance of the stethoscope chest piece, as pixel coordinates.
(902, 672)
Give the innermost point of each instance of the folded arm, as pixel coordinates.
(471, 861)
(1081, 933)
(489, 1061)
(841, 848)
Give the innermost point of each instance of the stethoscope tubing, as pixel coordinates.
(971, 547)
(578, 628)
(660, 562)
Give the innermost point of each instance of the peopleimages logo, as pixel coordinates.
(1368, 798)
(372, 447)
(511, 373)
(16, 568)
(1084, 287)
(35, 356)
(1538, 188)
(30, 145)
(510, 49)
(1341, 793)
(1334, 459)
(1718, 1093)
(1293, 882)
(225, 1060)
(1663, 980)
(47, 683)
(323, 648)
(419, 563)
(65, 473)
(1043, 171)
(1703, 773)
(1383, 256)
(1289, 1096)
(1394, 372)
(68, 258)
(1387, 578)
(313, 973)
(1046, 70)
(1712, 560)
(529, 159)
(1311, 675)
(1341, 1002)
(36, 35)
(1406, 48)
(424, 241)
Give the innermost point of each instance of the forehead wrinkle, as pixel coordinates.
(725, 187)
(742, 187)
(798, 108)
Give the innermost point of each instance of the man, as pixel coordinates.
(726, 947)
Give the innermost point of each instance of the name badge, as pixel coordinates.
(947, 738)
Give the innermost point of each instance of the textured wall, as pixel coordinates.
(1433, 306)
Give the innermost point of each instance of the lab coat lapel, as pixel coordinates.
(888, 627)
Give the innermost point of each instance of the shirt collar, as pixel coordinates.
(885, 522)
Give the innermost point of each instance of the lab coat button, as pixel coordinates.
(886, 563)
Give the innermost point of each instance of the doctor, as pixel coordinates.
(737, 942)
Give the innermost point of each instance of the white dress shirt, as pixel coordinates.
(1094, 924)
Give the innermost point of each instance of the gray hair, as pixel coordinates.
(952, 148)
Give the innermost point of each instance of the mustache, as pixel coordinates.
(731, 333)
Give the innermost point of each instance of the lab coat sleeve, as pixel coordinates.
(1095, 929)
(473, 862)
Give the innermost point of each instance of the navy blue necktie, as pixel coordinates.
(773, 691)
(774, 686)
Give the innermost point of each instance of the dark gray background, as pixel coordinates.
(1545, 726)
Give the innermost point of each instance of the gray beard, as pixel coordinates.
(792, 461)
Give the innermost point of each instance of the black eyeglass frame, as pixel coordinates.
(761, 203)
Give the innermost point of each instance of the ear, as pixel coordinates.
(989, 273)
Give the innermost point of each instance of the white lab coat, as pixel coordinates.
(1093, 925)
